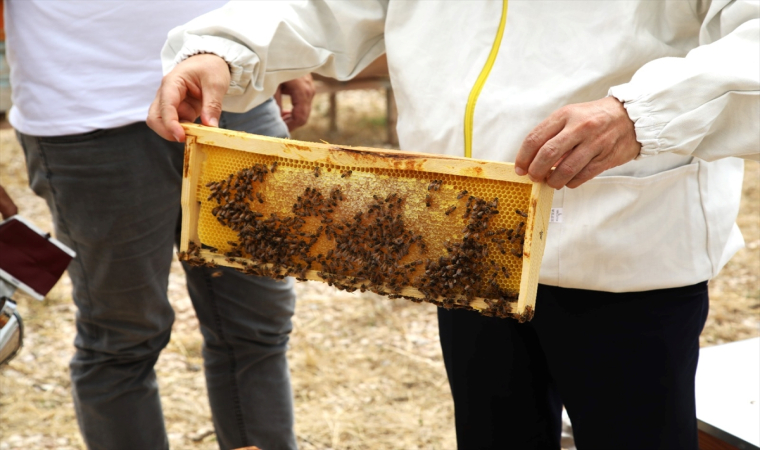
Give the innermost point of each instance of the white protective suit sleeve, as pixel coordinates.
(706, 104)
(266, 43)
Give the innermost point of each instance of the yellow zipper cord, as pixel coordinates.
(469, 112)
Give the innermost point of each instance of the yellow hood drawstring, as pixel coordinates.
(469, 112)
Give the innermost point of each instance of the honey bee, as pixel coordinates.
(462, 194)
(450, 210)
(259, 198)
(428, 200)
(520, 213)
(316, 171)
(346, 173)
(527, 315)
(274, 166)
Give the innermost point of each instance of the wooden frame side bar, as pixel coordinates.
(191, 172)
(541, 196)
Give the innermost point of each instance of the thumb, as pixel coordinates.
(213, 88)
(278, 97)
(212, 108)
(7, 207)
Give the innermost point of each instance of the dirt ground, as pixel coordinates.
(367, 372)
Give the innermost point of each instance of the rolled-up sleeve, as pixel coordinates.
(267, 43)
(706, 104)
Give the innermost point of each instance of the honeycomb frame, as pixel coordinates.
(428, 200)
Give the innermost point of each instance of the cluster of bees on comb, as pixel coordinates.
(371, 249)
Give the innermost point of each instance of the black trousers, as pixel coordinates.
(622, 364)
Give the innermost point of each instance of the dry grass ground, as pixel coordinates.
(367, 371)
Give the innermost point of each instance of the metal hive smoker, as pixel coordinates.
(457, 232)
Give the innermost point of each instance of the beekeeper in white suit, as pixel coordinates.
(645, 109)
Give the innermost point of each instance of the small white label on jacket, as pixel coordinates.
(556, 215)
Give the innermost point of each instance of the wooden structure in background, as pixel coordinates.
(375, 76)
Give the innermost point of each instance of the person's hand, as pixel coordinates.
(301, 92)
(7, 207)
(581, 141)
(196, 87)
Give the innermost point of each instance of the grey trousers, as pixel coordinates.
(114, 195)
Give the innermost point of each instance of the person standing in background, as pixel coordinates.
(83, 76)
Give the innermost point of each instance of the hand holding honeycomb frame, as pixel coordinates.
(457, 232)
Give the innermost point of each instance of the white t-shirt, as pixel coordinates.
(78, 66)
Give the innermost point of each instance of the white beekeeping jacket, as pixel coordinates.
(688, 73)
